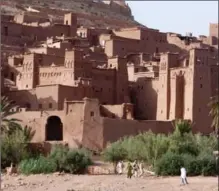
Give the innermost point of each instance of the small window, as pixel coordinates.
(66, 22)
(50, 105)
(6, 31)
(12, 76)
(28, 106)
(26, 86)
(40, 106)
(201, 85)
(161, 111)
(91, 113)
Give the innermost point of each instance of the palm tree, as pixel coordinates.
(214, 112)
(182, 126)
(6, 109)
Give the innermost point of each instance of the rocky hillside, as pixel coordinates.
(90, 12)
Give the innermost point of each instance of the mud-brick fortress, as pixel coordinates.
(91, 86)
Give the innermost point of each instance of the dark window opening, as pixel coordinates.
(157, 50)
(35, 37)
(26, 86)
(54, 129)
(12, 76)
(91, 113)
(66, 22)
(13, 102)
(6, 31)
(40, 106)
(201, 85)
(27, 105)
(95, 40)
(50, 105)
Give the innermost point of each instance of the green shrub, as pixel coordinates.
(208, 163)
(185, 144)
(76, 161)
(37, 166)
(193, 165)
(58, 154)
(115, 152)
(169, 164)
(206, 145)
(14, 146)
(70, 160)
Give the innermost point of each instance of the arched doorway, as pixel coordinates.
(54, 129)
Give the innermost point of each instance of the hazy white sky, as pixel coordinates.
(176, 16)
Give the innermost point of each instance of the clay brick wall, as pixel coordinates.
(145, 93)
(131, 127)
(122, 47)
(103, 84)
(202, 86)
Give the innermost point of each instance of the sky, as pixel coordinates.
(176, 16)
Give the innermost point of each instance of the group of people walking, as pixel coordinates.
(133, 169)
(136, 169)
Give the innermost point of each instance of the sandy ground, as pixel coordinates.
(54, 182)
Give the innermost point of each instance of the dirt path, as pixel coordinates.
(66, 182)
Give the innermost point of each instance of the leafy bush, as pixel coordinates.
(192, 164)
(206, 145)
(169, 164)
(70, 160)
(147, 147)
(208, 163)
(58, 154)
(150, 147)
(76, 161)
(115, 152)
(37, 166)
(14, 146)
(185, 144)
